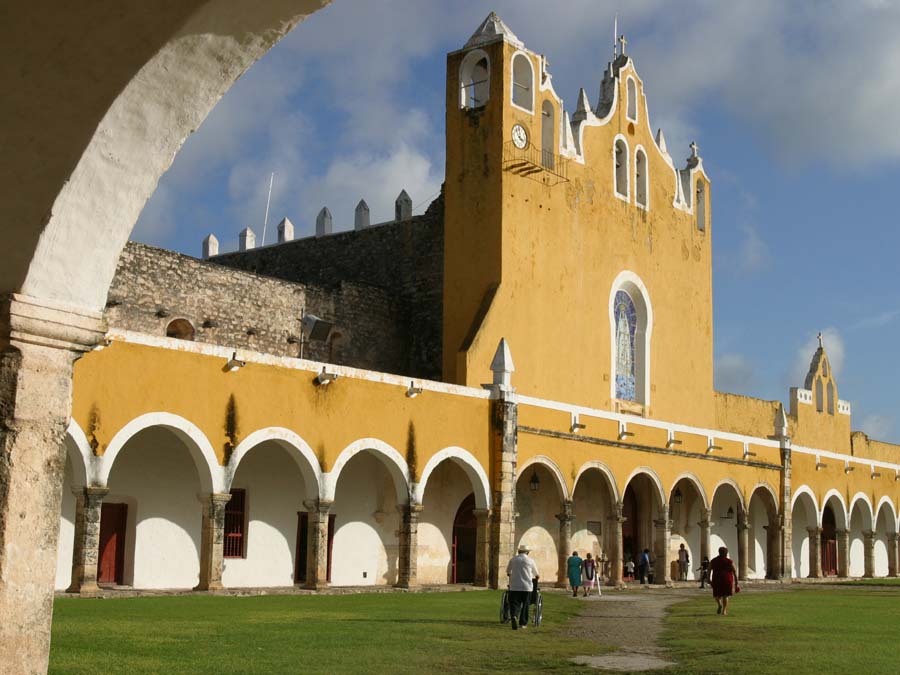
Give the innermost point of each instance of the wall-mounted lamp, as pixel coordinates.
(234, 363)
(677, 497)
(876, 474)
(625, 434)
(325, 378)
(413, 391)
(535, 482)
(748, 453)
(729, 514)
(820, 465)
(897, 475)
(711, 448)
(575, 425)
(848, 468)
(672, 441)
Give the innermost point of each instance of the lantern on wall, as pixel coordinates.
(535, 482)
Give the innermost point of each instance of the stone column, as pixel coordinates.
(88, 503)
(869, 552)
(408, 563)
(704, 534)
(317, 544)
(212, 540)
(743, 528)
(775, 558)
(662, 541)
(843, 552)
(563, 548)
(504, 421)
(815, 552)
(892, 541)
(39, 341)
(482, 546)
(785, 535)
(614, 541)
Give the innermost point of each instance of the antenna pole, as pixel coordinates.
(268, 199)
(616, 37)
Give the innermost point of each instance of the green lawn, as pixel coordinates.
(377, 633)
(802, 630)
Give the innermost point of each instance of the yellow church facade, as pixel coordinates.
(575, 409)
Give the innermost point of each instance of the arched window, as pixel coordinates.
(631, 107)
(640, 178)
(820, 395)
(474, 80)
(701, 205)
(180, 329)
(630, 326)
(830, 390)
(548, 135)
(522, 82)
(620, 160)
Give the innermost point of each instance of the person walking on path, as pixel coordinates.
(589, 568)
(573, 568)
(684, 561)
(522, 572)
(704, 572)
(723, 580)
(644, 565)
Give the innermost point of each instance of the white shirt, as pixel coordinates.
(521, 570)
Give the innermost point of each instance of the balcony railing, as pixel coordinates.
(531, 162)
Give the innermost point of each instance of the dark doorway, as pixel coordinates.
(302, 547)
(829, 543)
(465, 535)
(111, 563)
(631, 545)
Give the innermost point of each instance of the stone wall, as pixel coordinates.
(153, 287)
(404, 258)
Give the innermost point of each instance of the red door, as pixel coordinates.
(111, 565)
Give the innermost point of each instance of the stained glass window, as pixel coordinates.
(626, 322)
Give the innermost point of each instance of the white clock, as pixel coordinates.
(519, 136)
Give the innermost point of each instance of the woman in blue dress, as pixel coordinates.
(573, 567)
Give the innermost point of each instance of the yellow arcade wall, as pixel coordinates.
(125, 380)
(560, 249)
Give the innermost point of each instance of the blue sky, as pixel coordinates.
(795, 107)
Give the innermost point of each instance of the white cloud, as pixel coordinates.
(734, 374)
(877, 426)
(834, 348)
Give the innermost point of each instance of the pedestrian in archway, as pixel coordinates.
(573, 568)
(723, 579)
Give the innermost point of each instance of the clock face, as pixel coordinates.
(519, 136)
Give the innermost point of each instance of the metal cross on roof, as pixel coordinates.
(623, 42)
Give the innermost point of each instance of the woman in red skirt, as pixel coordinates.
(723, 579)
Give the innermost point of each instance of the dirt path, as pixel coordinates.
(630, 621)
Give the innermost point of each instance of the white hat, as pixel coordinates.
(523, 549)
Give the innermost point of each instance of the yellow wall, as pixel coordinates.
(124, 381)
(561, 247)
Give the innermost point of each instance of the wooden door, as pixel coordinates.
(465, 534)
(302, 546)
(111, 564)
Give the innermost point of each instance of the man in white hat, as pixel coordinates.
(523, 574)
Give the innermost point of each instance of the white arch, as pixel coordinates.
(392, 460)
(859, 496)
(210, 472)
(512, 80)
(626, 280)
(654, 478)
(605, 470)
(805, 490)
(893, 510)
(298, 449)
(481, 486)
(731, 483)
(552, 467)
(695, 481)
(766, 488)
(845, 514)
(466, 66)
(80, 454)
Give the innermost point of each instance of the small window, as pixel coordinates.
(820, 397)
(621, 168)
(640, 178)
(701, 206)
(830, 390)
(236, 525)
(180, 329)
(631, 108)
(474, 80)
(523, 82)
(548, 136)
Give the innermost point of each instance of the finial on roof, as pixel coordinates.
(781, 422)
(661, 141)
(502, 365)
(623, 42)
(821, 340)
(694, 149)
(491, 29)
